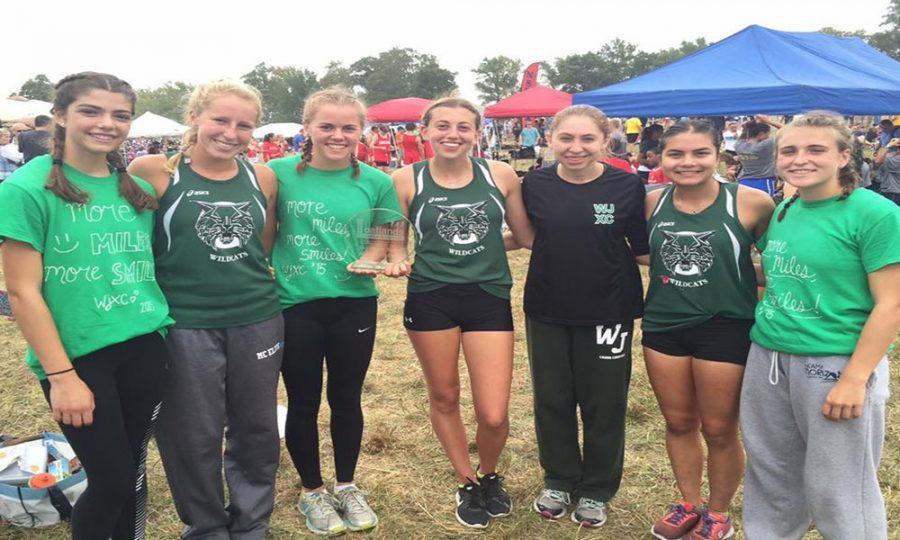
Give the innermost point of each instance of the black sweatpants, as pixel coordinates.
(342, 332)
(588, 368)
(126, 380)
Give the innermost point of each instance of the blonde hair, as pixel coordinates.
(588, 111)
(848, 176)
(452, 102)
(334, 95)
(200, 99)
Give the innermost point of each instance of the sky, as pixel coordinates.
(149, 43)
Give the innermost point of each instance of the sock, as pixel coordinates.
(338, 489)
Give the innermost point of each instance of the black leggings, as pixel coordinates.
(126, 380)
(342, 332)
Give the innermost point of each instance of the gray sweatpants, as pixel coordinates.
(801, 467)
(218, 378)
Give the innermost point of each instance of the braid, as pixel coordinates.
(58, 183)
(787, 205)
(139, 199)
(307, 155)
(355, 164)
(848, 176)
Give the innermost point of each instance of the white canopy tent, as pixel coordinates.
(16, 109)
(153, 125)
(285, 129)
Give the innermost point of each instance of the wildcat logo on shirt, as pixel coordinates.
(604, 214)
(225, 226)
(686, 254)
(463, 225)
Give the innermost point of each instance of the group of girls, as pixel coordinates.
(130, 316)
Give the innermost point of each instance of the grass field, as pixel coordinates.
(402, 466)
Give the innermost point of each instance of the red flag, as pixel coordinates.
(529, 78)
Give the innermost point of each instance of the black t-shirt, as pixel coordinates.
(582, 270)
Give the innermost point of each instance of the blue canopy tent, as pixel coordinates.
(759, 70)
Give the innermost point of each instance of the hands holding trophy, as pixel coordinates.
(380, 241)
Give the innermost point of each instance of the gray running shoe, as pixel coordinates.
(321, 514)
(357, 514)
(589, 512)
(552, 503)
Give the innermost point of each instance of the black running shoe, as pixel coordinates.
(496, 498)
(470, 510)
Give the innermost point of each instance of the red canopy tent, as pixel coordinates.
(399, 110)
(536, 101)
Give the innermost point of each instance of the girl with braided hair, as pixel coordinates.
(75, 229)
(329, 312)
(215, 228)
(816, 380)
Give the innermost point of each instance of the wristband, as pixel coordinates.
(60, 372)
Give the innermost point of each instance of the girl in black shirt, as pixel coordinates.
(582, 295)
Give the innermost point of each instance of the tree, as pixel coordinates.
(497, 77)
(888, 40)
(167, 100)
(616, 61)
(283, 90)
(399, 73)
(336, 73)
(38, 87)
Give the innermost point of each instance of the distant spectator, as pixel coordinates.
(411, 145)
(633, 129)
(618, 144)
(528, 140)
(650, 136)
(271, 147)
(756, 152)
(730, 137)
(886, 132)
(10, 157)
(649, 160)
(36, 142)
(888, 162)
(297, 141)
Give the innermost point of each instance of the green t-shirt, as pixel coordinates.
(817, 262)
(310, 256)
(99, 279)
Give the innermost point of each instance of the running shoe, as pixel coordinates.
(352, 505)
(470, 509)
(681, 519)
(713, 526)
(321, 515)
(552, 503)
(589, 512)
(496, 498)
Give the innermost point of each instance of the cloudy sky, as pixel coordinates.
(151, 42)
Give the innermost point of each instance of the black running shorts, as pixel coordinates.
(468, 307)
(719, 339)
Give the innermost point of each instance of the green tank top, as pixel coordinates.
(700, 264)
(459, 233)
(210, 260)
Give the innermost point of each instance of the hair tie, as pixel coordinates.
(57, 162)
(121, 170)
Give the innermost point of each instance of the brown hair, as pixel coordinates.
(452, 103)
(588, 111)
(848, 176)
(66, 92)
(200, 99)
(334, 95)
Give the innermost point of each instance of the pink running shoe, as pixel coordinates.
(681, 519)
(713, 526)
